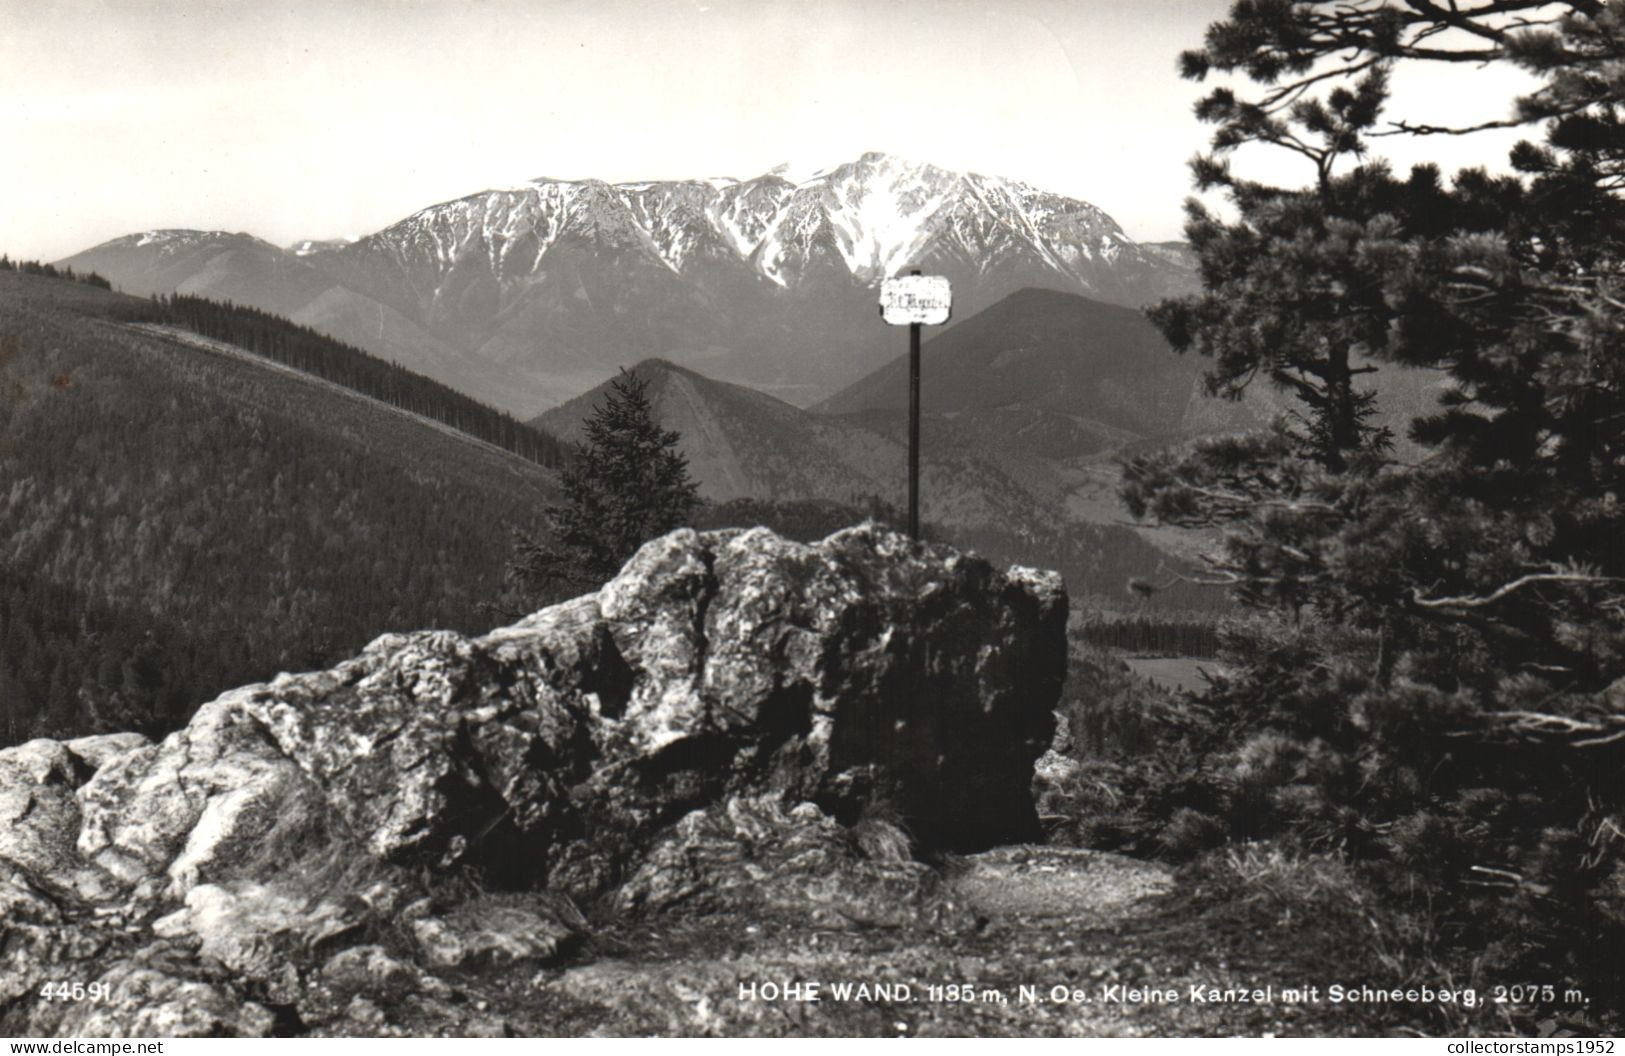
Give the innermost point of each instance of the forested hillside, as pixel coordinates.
(174, 522)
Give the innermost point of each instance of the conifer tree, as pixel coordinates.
(1454, 626)
(627, 484)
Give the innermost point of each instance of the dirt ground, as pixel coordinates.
(1040, 942)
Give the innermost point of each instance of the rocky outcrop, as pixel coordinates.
(733, 709)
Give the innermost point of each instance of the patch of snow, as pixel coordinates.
(799, 171)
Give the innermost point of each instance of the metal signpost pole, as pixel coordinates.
(914, 427)
(915, 300)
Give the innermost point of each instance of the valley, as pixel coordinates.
(337, 465)
(1032, 396)
(752, 304)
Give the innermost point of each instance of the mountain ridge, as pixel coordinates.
(526, 296)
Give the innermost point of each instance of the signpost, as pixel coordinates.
(915, 300)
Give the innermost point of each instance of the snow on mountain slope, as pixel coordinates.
(879, 213)
(767, 281)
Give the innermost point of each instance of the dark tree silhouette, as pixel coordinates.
(627, 484)
(1436, 681)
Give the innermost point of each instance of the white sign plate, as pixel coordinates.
(924, 299)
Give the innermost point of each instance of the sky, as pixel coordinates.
(296, 119)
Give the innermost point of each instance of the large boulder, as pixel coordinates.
(39, 815)
(192, 806)
(730, 697)
(866, 668)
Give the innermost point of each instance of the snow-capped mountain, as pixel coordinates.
(875, 217)
(767, 281)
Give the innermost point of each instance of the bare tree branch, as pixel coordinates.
(1608, 729)
(1405, 128)
(1472, 601)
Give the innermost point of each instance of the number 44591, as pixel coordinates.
(76, 991)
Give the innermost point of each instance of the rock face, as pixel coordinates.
(730, 697)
